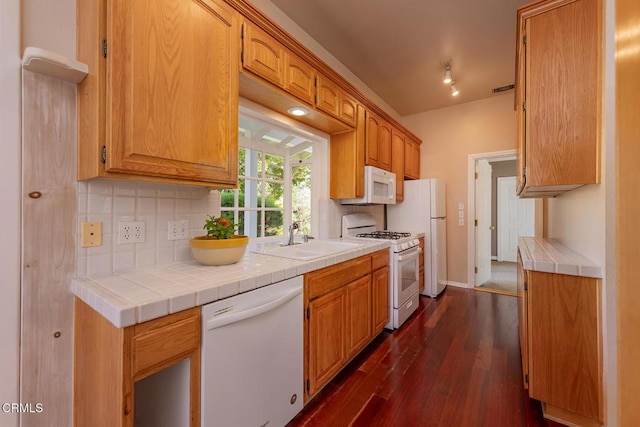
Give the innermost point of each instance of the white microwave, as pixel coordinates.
(379, 188)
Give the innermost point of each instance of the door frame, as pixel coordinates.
(471, 206)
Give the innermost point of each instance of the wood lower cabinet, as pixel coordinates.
(110, 360)
(558, 95)
(327, 337)
(346, 306)
(359, 315)
(161, 98)
(560, 336)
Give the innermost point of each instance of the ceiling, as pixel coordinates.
(398, 48)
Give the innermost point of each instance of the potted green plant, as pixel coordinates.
(220, 246)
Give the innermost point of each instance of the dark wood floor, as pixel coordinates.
(456, 362)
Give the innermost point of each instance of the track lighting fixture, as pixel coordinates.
(453, 89)
(447, 75)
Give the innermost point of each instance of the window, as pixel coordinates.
(274, 182)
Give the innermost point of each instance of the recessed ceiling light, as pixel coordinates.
(298, 111)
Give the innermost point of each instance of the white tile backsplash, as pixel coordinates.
(110, 201)
(331, 212)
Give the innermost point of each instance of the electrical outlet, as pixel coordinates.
(91, 234)
(461, 222)
(131, 232)
(178, 230)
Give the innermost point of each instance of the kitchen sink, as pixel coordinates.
(307, 251)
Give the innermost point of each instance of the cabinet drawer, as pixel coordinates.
(379, 259)
(322, 281)
(161, 345)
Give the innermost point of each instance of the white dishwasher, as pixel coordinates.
(252, 373)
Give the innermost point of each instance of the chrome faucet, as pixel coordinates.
(292, 228)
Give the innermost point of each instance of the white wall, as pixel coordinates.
(10, 213)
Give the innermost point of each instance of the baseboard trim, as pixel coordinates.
(494, 258)
(459, 284)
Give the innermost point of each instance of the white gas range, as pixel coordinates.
(404, 262)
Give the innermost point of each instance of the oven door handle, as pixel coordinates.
(412, 255)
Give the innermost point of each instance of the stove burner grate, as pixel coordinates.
(387, 235)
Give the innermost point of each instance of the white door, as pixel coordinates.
(515, 218)
(483, 218)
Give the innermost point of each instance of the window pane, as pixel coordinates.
(274, 166)
(301, 197)
(274, 194)
(227, 198)
(273, 225)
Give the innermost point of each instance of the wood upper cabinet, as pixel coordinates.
(397, 161)
(560, 340)
(110, 360)
(411, 158)
(558, 96)
(299, 78)
(161, 97)
(334, 101)
(377, 141)
(264, 56)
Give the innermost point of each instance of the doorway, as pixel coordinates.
(498, 217)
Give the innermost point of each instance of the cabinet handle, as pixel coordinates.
(127, 403)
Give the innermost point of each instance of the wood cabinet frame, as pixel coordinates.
(109, 360)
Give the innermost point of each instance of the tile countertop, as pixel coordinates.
(135, 296)
(551, 256)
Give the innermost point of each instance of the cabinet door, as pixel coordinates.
(397, 162)
(172, 91)
(358, 315)
(328, 96)
(411, 159)
(384, 145)
(371, 138)
(522, 320)
(300, 78)
(562, 86)
(565, 366)
(327, 337)
(263, 55)
(380, 285)
(348, 107)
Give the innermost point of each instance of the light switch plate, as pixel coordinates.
(460, 206)
(461, 222)
(91, 234)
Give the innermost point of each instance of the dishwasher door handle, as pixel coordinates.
(223, 320)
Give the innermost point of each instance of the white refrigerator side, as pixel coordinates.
(438, 257)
